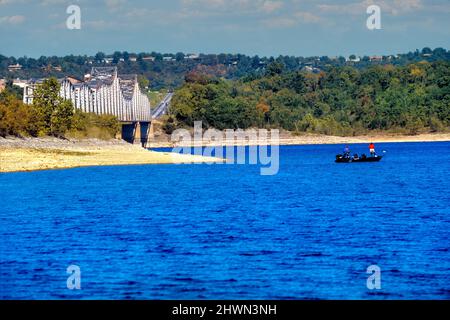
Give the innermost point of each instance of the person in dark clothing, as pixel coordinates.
(346, 152)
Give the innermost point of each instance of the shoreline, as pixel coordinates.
(36, 154)
(313, 139)
(25, 155)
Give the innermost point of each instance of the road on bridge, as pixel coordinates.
(162, 107)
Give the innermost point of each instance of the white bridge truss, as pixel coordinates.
(104, 92)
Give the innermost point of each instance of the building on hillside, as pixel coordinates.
(376, 58)
(50, 68)
(20, 83)
(192, 56)
(311, 69)
(103, 92)
(353, 59)
(14, 67)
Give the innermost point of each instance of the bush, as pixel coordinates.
(16, 118)
(169, 126)
(91, 125)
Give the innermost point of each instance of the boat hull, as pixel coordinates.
(351, 159)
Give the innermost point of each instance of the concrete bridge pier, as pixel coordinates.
(136, 132)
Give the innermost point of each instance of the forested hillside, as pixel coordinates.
(339, 101)
(168, 70)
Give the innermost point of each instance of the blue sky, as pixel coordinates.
(264, 27)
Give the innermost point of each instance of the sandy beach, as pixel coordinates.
(48, 153)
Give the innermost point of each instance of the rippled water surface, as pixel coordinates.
(224, 231)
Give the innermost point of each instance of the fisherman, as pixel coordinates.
(372, 149)
(346, 152)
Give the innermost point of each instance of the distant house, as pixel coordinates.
(14, 67)
(168, 59)
(148, 59)
(133, 59)
(311, 69)
(376, 58)
(2, 84)
(74, 80)
(427, 54)
(20, 83)
(108, 60)
(192, 56)
(50, 68)
(353, 59)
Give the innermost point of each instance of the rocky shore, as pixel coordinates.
(287, 138)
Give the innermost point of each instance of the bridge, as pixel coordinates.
(103, 91)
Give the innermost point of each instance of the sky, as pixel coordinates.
(255, 27)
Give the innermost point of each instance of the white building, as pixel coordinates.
(103, 93)
(20, 83)
(353, 59)
(14, 67)
(192, 56)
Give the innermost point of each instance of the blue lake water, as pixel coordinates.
(226, 232)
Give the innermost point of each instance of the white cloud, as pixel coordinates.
(234, 6)
(115, 4)
(52, 2)
(12, 20)
(288, 21)
(271, 6)
(307, 17)
(280, 22)
(393, 7)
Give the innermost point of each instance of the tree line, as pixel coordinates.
(168, 70)
(340, 100)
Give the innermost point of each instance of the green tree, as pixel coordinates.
(54, 113)
(116, 57)
(16, 118)
(126, 56)
(99, 57)
(179, 56)
(275, 68)
(61, 119)
(143, 81)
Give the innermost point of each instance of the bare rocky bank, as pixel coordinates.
(56, 143)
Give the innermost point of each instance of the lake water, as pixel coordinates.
(226, 232)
